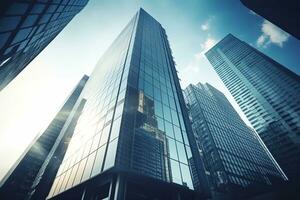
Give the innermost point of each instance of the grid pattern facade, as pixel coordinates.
(27, 27)
(161, 106)
(17, 183)
(268, 94)
(132, 119)
(234, 155)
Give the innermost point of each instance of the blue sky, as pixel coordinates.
(32, 99)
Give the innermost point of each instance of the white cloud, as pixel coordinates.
(206, 25)
(271, 34)
(209, 43)
(192, 72)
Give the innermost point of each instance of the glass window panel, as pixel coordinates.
(30, 20)
(158, 109)
(37, 8)
(65, 181)
(172, 103)
(141, 81)
(79, 154)
(9, 23)
(156, 83)
(188, 151)
(181, 152)
(174, 117)
(98, 161)
(160, 124)
(72, 176)
(17, 9)
(115, 129)
(167, 113)
(165, 98)
(177, 133)
(79, 172)
(155, 75)
(148, 71)
(104, 135)
(176, 176)
(87, 148)
(3, 39)
(186, 141)
(56, 187)
(157, 95)
(109, 115)
(88, 167)
(148, 89)
(111, 154)
(45, 18)
(119, 110)
(181, 121)
(59, 184)
(172, 149)
(186, 176)
(169, 129)
(21, 35)
(95, 144)
(148, 78)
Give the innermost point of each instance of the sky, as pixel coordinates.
(32, 99)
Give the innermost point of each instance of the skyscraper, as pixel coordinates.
(238, 163)
(284, 14)
(27, 27)
(18, 181)
(269, 95)
(133, 139)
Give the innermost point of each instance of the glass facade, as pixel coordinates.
(27, 170)
(27, 27)
(132, 120)
(268, 94)
(233, 153)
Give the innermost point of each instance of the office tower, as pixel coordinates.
(268, 94)
(27, 27)
(238, 163)
(131, 140)
(284, 14)
(18, 181)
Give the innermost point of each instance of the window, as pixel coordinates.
(176, 176)
(111, 154)
(172, 149)
(98, 161)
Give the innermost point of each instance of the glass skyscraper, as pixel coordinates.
(237, 161)
(133, 139)
(27, 27)
(269, 95)
(17, 184)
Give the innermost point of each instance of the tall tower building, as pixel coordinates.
(269, 95)
(238, 163)
(27, 27)
(18, 181)
(133, 139)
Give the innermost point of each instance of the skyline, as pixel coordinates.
(34, 88)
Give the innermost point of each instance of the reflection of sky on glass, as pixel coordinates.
(29, 103)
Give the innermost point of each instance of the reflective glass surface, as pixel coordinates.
(267, 92)
(234, 155)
